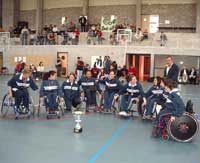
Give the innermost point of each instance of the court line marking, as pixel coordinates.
(94, 157)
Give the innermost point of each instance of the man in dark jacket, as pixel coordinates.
(172, 70)
(83, 21)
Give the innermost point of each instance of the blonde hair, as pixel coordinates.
(27, 70)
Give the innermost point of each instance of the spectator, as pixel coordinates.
(75, 37)
(184, 74)
(83, 22)
(171, 70)
(193, 75)
(59, 66)
(99, 37)
(132, 71)
(40, 70)
(24, 36)
(139, 35)
(95, 71)
(163, 39)
(79, 68)
(146, 34)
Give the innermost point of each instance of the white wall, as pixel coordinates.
(27, 5)
(50, 4)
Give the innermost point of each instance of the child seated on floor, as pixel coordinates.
(50, 91)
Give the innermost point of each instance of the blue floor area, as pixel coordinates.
(105, 139)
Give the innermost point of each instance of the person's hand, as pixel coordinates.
(172, 118)
(144, 102)
(10, 95)
(116, 96)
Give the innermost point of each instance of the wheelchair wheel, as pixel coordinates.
(183, 129)
(6, 105)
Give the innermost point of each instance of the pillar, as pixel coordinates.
(138, 13)
(39, 15)
(198, 16)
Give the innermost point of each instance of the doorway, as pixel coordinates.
(142, 63)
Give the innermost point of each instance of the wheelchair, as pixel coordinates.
(183, 129)
(58, 112)
(8, 106)
(133, 107)
(114, 106)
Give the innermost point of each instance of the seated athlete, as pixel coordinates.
(71, 91)
(112, 87)
(132, 91)
(18, 88)
(50, 91)
(153, 95)
(90, 88)
(174, 105)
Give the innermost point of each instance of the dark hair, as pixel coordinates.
(130, 77)
(158, 78)
(171, 84)
(71, 73)
(48, 74)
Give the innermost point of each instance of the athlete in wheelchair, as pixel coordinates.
(111, 92)
(132, 93)
(90, 87)
(51, 95)
(154, 96)
(18, 96)
(173, 120)
(71, 91)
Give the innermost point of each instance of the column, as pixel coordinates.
(1, 8)
(39, 15)
(10, 13)
(198, 16)
(152, 64)
(138, 13)
(85, 7)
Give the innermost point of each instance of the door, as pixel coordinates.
(142, 64)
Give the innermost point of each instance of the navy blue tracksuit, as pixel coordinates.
(113, 87)
(20, 87)
(131, 91)
(154, 94)
(173, 106)
(71, 93)
(90, 87)
(50, 89)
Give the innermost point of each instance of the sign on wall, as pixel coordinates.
(108, 25)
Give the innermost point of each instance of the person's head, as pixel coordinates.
(111, 75)
(72, 77)
(162, 83)
(157, 81)
(169, 60)
(88, 74)
(170, 85)
(133, 79)
(78, 58)
(52, 75)
(27, 72)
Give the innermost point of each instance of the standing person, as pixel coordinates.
(163, 39)
(171, 70)
(106, 64)
(83, 22)
(193, 76)
(79, 68)
(40, 70)
(59, 66)
(132, 70)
